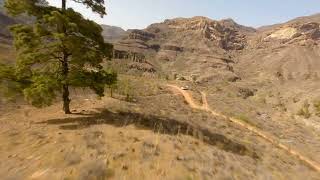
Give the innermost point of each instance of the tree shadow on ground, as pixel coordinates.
(157, 124)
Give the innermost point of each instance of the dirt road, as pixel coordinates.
(259, 132)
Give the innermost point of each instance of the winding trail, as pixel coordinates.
(205, 107)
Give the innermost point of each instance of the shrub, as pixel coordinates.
(125, 88)
(304, 111)
(244, 118)
(317, 108)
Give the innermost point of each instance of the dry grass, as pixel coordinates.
(105, 151)
(133, 87)
(105, 141)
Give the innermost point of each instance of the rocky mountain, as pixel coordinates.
(303, 19)
(113, 33)
(275, 58)
(260, 85)
(284, 60)
(207, 52)
(194, 46)
(291, 48)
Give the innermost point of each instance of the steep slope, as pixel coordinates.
(292, 47)
(284, 60)
(276, 66)
(303, 19)
(198, 48)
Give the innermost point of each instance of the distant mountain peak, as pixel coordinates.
(112, 33)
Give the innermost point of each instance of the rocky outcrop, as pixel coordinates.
(118, 54)
(141, 35)
(172, 48)
(310, 30)
(155, 47)
(188, 45)
(137, 61)
(225, 34)
(309, 27)
(133, 56)
(246, 92)
(299, 33)
(144, 67)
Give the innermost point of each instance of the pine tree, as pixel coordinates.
(61, 49)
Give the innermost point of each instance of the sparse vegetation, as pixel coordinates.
(304, 111)
(317, 108)
(125, 88)
(263, 100)
(201, 98)
(245, 93)
(244, 118)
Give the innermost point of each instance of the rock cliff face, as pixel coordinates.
(289, 50)
(284, 60)
(273, 59)
(187, 46)
(295, 33)
(225, 34)
(141, 35)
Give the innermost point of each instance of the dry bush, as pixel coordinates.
(317, 107)
(304, 111)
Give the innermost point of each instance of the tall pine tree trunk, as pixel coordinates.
(66, 99)
(64, 4)
(65, 86)
(65, 70)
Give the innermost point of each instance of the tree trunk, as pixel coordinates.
(64, 4)
(65, 72)
(66, 99)
(65, 86)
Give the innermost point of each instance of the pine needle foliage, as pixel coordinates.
(61, 49)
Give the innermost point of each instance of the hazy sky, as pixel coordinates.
(130, 14)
